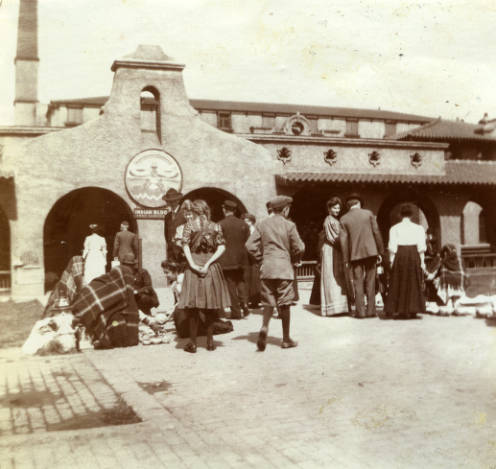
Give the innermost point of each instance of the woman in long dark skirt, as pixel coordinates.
(204, 290)
(407, 246)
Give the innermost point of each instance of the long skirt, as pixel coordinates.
(405, 296)
(333, 299)
(204, 292)
(94, 266)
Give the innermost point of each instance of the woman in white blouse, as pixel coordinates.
(406, 247)
(94, 255)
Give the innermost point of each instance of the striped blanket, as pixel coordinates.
(68, 286)
(107, 309)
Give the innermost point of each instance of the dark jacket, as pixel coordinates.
(236, 232)
(125, 242)
(278, 245)
(360, 236)
(171, 222)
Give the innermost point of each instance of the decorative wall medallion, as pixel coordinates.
(330, 156)
(374, 158)
(284, 155)
(149, 175)
(416, 160)
(297, 125)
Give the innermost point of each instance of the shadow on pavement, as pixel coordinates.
(253, 337)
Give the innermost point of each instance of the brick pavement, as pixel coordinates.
(355, 393)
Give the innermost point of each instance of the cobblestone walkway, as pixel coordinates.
(369, 393)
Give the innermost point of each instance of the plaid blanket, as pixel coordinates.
(68, 286)
(107, 309)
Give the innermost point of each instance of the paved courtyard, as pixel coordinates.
(355, 393)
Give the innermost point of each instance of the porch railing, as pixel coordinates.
(4, 280)
(306, 270)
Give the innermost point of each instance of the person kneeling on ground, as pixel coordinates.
(277, 243)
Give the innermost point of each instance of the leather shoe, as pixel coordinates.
(211, 346)
(262, 340)
(289, 344)
(190, 347)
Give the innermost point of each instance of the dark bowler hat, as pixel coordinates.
(354, 195)
(172, 195)
(129, 259)
(280, 201)
(230, 205)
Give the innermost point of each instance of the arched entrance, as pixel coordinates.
(427, 214)
(67, 224)
(214, 198)
(4, 253)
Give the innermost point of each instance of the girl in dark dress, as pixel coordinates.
(204, 290)
(407, 247)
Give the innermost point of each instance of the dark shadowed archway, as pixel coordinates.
(4, 252)
(214, 198)
(67, 224)
(388, 214)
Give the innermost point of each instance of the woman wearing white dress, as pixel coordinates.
(94, 255)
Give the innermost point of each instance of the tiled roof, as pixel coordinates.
(457, 172)
(443, 130)
(213, 105)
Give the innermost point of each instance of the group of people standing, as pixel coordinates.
(217, 258)
(352, 254)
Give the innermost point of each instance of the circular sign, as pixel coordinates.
(149, 175)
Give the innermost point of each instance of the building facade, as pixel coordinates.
(106, 159)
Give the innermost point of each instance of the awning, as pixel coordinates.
(456, 172)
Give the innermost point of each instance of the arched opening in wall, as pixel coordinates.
(473, 224)
(215, 198)
(150, 116)
(426, 213)
(67, 225)
(5, 282)
(308, 211)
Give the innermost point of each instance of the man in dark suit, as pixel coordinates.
(172, 220)
(362, 247)
(277, 244)
(234, 261)
(125, 242)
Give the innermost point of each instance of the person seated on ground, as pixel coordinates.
(447, 277)
(107, 308)
(145, 295)
(67, 287)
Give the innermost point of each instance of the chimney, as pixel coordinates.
(26, 64)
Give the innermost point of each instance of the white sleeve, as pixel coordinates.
(393, 239)
(421, 244)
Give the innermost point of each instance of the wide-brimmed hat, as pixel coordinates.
(279, 202)
(230, 204)
(172, 195)
(129, 259)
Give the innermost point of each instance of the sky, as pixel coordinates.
(433, 58)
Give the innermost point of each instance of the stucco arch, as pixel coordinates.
(214, 198)
(415, 197)
(66, 224)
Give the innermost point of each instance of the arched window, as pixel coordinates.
(150, 116)
(473, 224)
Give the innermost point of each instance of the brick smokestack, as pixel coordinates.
(26, 64)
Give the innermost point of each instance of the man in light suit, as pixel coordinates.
(276, 242)
(234, 261)
(362, 247)
(125, 243)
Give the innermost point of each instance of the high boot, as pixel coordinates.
(209, 316)
(262, 336)
(284, 313)
(193, 330)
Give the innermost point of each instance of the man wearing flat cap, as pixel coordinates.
(276, 242)
(234, 261)
(362, 246)
(172, 220)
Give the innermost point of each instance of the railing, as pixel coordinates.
(306, 270)
(479, 261)
(4, 280)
